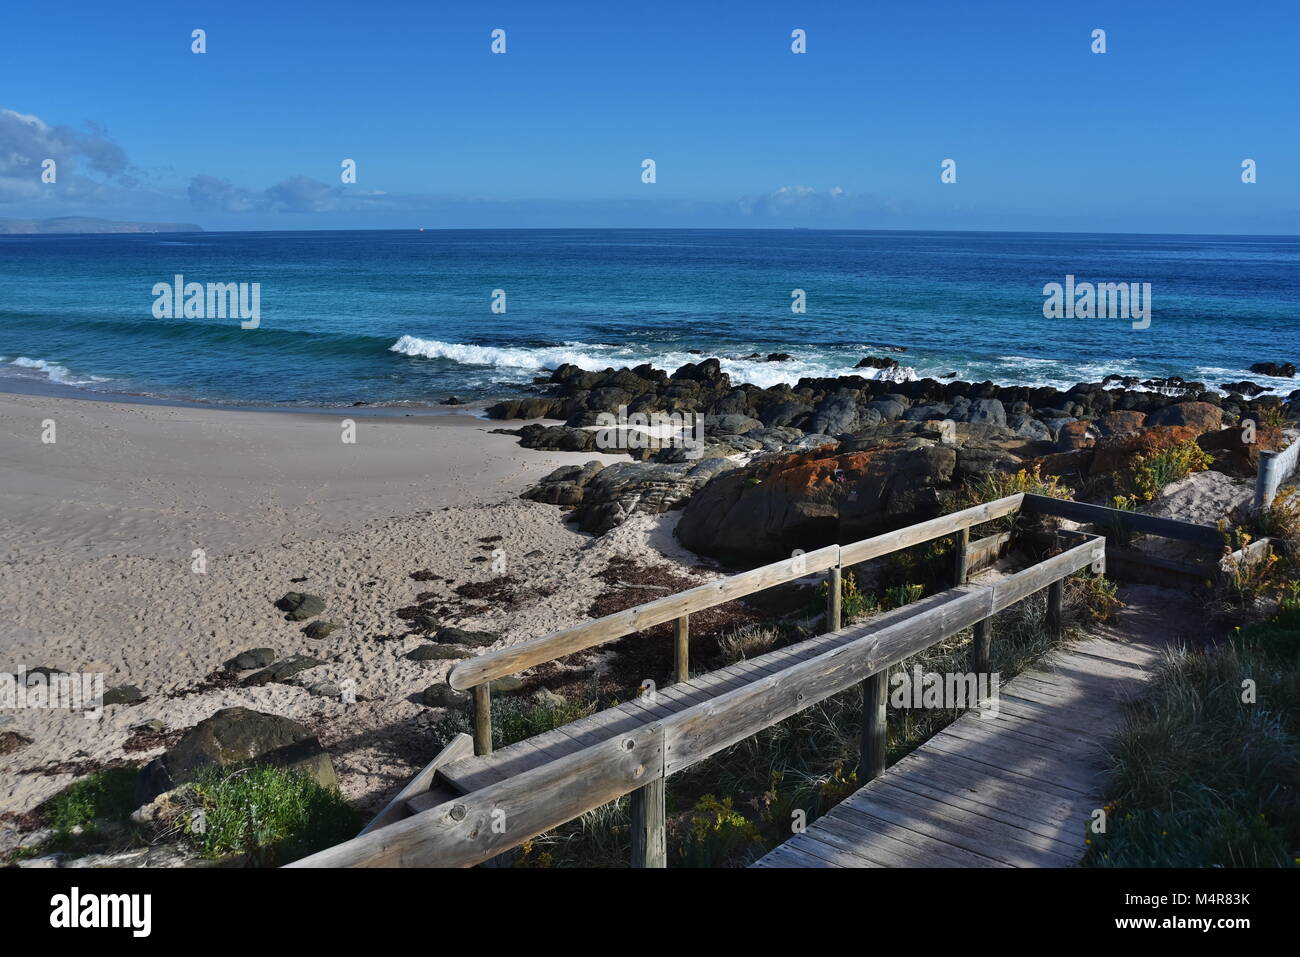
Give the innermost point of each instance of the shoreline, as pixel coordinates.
(98, 533)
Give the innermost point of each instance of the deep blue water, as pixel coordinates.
(78, 309)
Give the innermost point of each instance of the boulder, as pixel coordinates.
(987, 411)
(1282, 370)
(1076, 435)
(123, 694)
(836, 414)
(1029, 428)
(470, 639)
(1198, 416)
(299, 606)
(810, 499)
(443, 695)
(440, 652)
(283, 670)
(251, 659)
(232, 737)
(1119, 423)
(319, 629)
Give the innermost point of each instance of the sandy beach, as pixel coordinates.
(98, 533)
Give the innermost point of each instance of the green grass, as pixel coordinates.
(105, 795)
(1202, 778)
(273, 815)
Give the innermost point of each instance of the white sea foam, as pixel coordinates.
(522, 362)
(54, 372)
(529, 360)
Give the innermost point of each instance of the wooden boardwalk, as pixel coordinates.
(1013, 790)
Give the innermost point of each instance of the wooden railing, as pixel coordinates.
(476, 674)
(486, 822)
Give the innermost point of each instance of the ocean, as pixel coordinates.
(406, 318)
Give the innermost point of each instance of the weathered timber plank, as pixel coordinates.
(508, 661)
(1118, 518)
(1011, 842)
(879, 545)
(461, 746)
(976, 834)
(483, 824)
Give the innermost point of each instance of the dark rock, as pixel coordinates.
(876, 362)
(837, 413)
(1246, 388)
(319, 629)
(282, 670)
(987, 412)
(1118, 423)
(248, 660)
(443, 695)
(231, 737)
(810, 499)
(1200, 416)
(784, 413)
(300, 606)
(472, 639)
(124, 694)
(1280, 370)
(439, 652)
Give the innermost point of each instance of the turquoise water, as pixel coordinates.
(405, 317)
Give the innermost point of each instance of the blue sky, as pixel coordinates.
(1147, 137)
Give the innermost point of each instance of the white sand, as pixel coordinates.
(96, 538)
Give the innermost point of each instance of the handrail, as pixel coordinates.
(1138, 522)
(477, 826)
(508, 661)
(869, 548)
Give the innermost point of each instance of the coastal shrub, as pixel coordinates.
(1245, 584)
(900, 595)
(748, 641)
(717, 835)
(854, 603)
(272, 815)
(1150, 472)
(1095, 595)
(1201, 777)
(995, 485)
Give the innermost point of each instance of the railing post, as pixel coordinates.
(982, 647)
(649, 826)
(875, 692)
(682, 644)
(1266, 480)
(483, 719)
(961, 544)
(1055, 601)
(834, 617)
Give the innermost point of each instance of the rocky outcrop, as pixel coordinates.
(1198, 416)
(841, 493)
(1080, 430)
(602, 498)
(1281, 370)
(231, 737)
